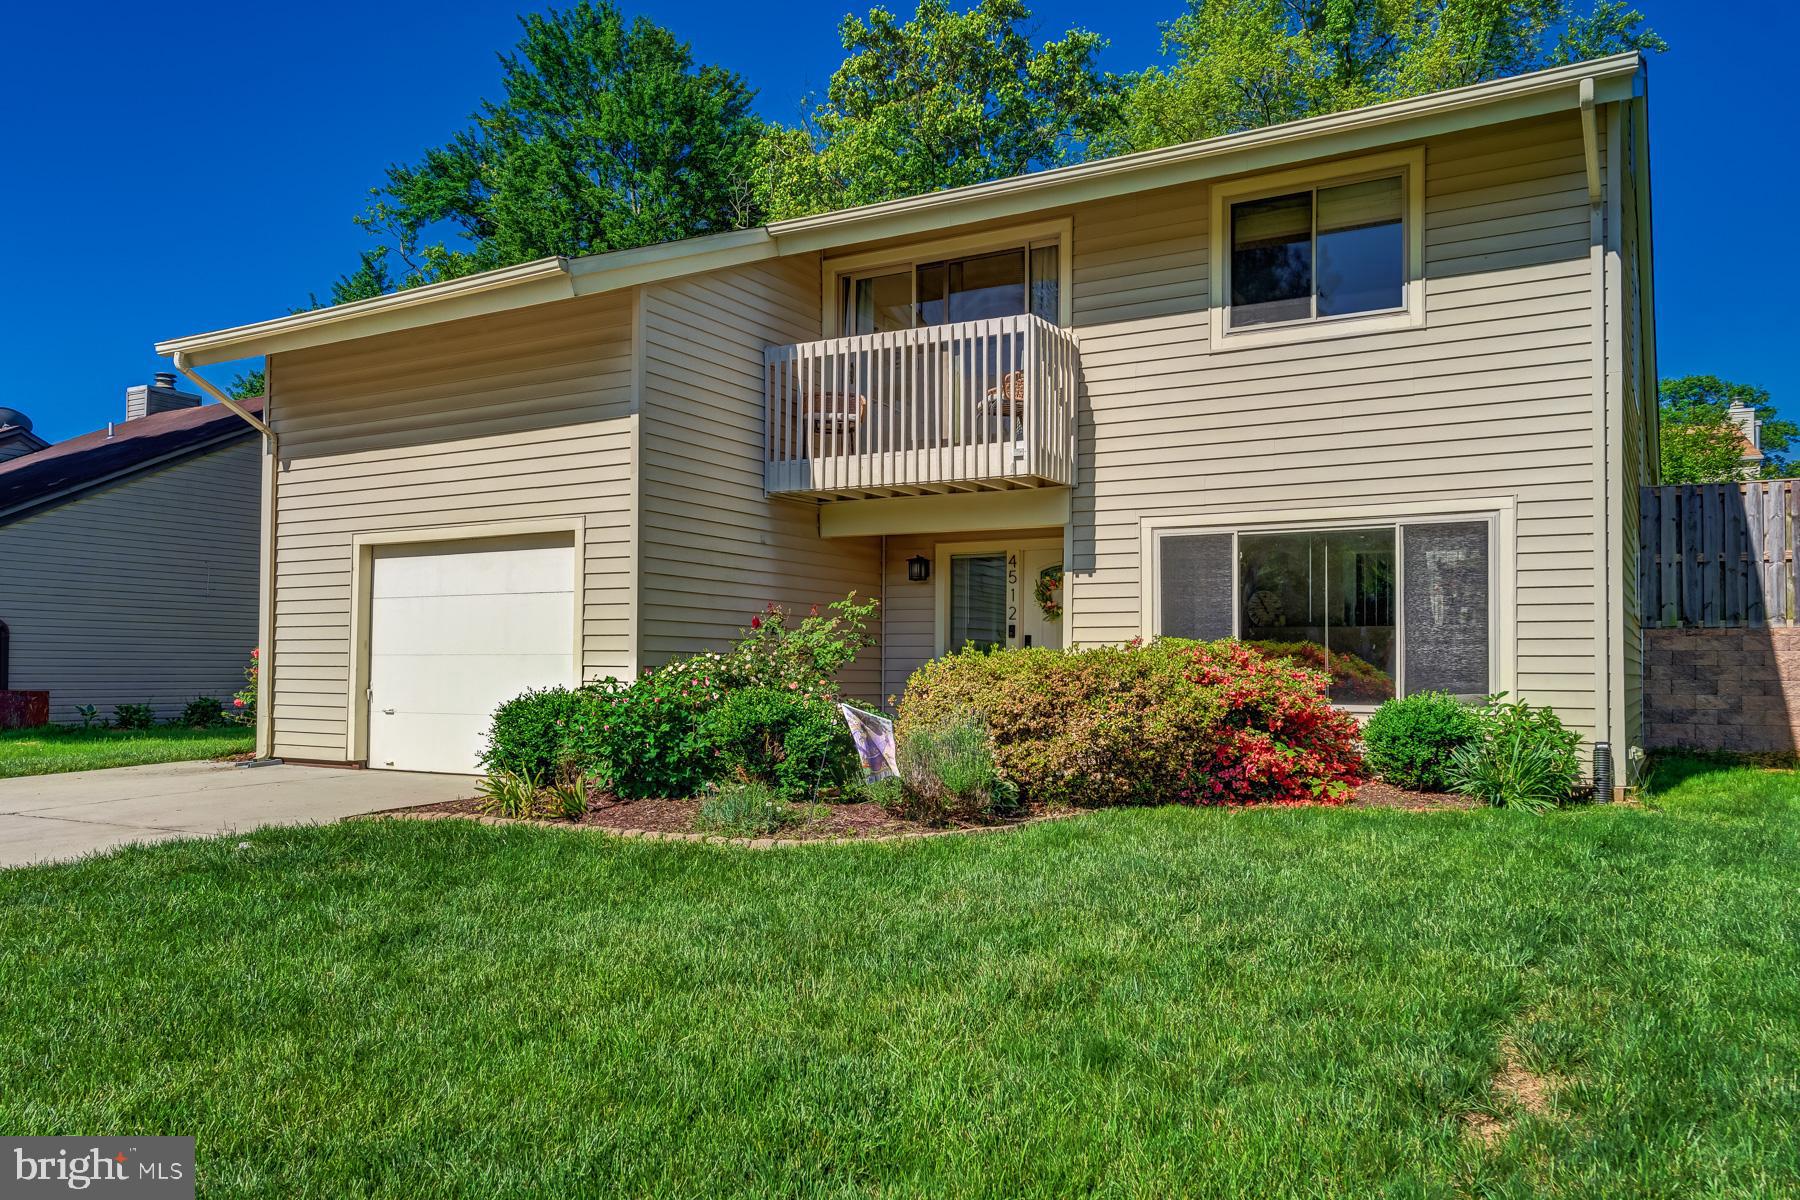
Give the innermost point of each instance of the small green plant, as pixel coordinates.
(243, 703)
(509, 794)
(794, 745)
(90, 716)
(949, 773)
(1523, 759)
(745, 809)
(1408, 742)
(567, 797)
(202, 712)
(134, 716)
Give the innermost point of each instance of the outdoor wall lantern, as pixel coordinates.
(918, 568)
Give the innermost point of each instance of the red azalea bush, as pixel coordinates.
(1170, 722)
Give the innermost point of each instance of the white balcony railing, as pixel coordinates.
(974, 405)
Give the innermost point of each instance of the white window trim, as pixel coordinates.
(1409, 164)
(1502, 565)
(1015, 598)
(834, 270)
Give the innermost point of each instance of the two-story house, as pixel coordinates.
(1378, 383)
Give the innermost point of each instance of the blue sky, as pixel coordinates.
(172, 169)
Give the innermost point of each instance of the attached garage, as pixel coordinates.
(456, 628)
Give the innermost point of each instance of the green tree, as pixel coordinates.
(1239, 64)
(607, 136)
(1700, 441)
(248, 385)
(945, 99)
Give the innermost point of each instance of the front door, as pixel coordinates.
(992, 598)
(1040, 596)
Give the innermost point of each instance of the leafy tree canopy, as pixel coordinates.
(607, 136)
(945, 99)
(1239, 64)
(1702, 444)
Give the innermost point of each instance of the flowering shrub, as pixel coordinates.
(642, 739)
(243, 703)
(1172, 721)
(1353, 680)
(804, 658)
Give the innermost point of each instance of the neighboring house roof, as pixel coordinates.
(67, 469)
(1577, 86)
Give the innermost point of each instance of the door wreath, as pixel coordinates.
(1048, 592)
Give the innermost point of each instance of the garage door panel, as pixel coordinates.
(410, 740)
(528, 623)
(471, 684)
(514, 567)
(456, 629)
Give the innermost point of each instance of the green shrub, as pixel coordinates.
(243, 703)
(642, 739)
(804, 658)
(134, 716)
(948, 774)
(1524, 758)
(1409, 742)
(1172, 721)
(745, 809)
(509, 794)
(202, 712)
(528, 733)
(776, 738)
(567, 795)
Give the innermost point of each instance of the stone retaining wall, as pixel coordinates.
(1735, 690)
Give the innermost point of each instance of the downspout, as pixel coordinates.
(265, 608)
(1602, 231)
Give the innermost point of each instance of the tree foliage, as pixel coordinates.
(607, 136)
(1700, 441)
(945, 99)
(1239, 64)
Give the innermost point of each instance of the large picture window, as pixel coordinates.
(1386, 610)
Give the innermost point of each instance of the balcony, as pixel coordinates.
(975, 406)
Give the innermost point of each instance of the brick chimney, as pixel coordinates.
(159, 395)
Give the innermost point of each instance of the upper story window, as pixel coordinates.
(1322, 251)
(944, 284)
(1006, 283)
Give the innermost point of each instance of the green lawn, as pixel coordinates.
(1134, 1003)
(71, 748)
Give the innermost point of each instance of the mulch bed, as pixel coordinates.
(825, 822)
(844, 822)
(1382, 795)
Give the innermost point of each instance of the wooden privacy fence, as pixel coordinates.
(1719, 554)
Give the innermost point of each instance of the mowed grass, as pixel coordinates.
(1132, 1003)
(54, 748)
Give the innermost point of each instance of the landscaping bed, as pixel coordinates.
(808, 823)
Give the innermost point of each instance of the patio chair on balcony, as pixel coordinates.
(1003, 408)
(825, 424)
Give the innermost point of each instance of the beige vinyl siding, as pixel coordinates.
(714, 549)
(142, 590)
(522, 415)
(1494, 396)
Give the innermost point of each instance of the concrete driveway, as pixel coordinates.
(49, 817)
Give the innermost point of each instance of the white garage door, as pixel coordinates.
(454, 629)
